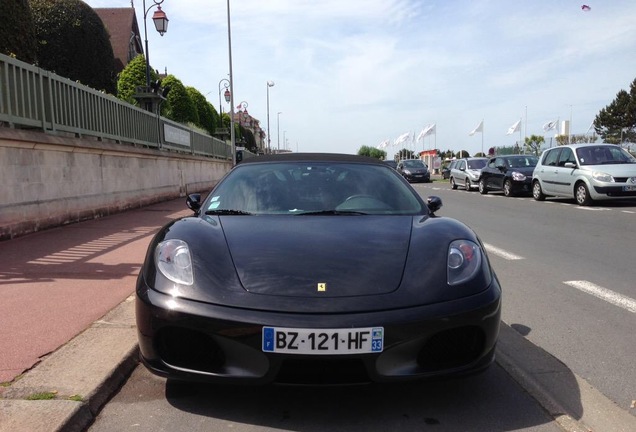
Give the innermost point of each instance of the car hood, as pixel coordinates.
(305, 255)
(280, 263)
(523, 170)
(615, 170)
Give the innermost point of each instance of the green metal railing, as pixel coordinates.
(33, 98)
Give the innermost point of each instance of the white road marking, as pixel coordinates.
(609, 296)
(628, 211)
(593, 208)
(501, 253)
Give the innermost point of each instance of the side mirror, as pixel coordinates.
(570, 165)
(433, 203)
(193, 201)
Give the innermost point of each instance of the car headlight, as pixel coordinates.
(407, 172)
(517, 176)
(173, 259)
(601, 176)
(464, 261)
(474, 175)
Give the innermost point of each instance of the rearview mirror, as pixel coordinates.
(193, 201)
(433, 203)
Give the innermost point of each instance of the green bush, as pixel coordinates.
(133, 76)
(178, 106)
(208, 117)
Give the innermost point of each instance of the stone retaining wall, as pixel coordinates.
(50, 180)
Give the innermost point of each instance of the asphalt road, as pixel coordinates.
(569, 278)
(488, 402)
(544, 254)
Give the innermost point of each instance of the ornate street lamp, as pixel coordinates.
(161, 24)
(226, 94)
(269, 140)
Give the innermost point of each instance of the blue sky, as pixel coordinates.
(359, 72)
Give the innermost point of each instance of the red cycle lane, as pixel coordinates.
(54, 284)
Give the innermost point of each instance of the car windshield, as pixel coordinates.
(316, 188)
(477, 163)
(414, 164)
(604, 155)
(523, 162)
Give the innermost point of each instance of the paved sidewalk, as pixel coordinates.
(58, 287)
(68, 330)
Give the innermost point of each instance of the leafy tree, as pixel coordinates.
(533, 143)
(462, 154)
(17, 33)
(178, 106)
(575, 139)
(448, 154)
(73, 42)
(372, 152)
(245, 138)
(617, 121)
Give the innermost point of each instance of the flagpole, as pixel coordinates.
(482, 137)
(524, 144)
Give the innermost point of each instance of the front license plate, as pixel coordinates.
(323, 341)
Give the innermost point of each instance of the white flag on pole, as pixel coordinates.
(514, 128)
(428, 130)
(479, 128)
(550, 125)
(402, 138)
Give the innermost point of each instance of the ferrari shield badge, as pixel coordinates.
(322, 287)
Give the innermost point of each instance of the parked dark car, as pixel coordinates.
(447, 169)
(390, 162)
(414, 170)
(315, 269)
(511, 174)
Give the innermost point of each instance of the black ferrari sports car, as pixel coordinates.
(316, 269)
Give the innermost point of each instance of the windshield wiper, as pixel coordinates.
(227, 212)
(332, 213)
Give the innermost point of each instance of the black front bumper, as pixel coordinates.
(188, 340)
(421, 178)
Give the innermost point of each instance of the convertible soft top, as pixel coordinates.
(312, 157)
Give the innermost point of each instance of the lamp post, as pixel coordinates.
(161, 24)
(229, 44)
(244, 115)
(243, 106)
(269, 140)
(226, 95)
(278, 128)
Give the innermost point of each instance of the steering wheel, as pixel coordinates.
(363, 202)
(361, 196)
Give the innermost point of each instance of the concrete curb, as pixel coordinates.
(91, 368)
(102, 358)
(570, 400)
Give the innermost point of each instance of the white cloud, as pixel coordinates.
(357, 72)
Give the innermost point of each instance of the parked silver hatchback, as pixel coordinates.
(585, 172)
(466, 172)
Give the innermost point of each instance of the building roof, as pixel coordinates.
(121, 25)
